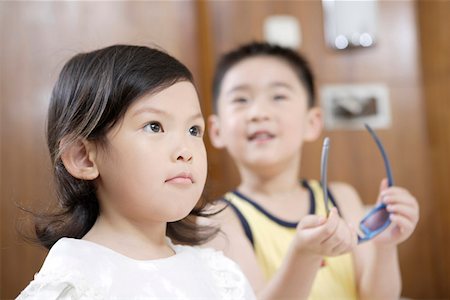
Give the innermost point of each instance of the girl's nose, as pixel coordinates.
(183, 155)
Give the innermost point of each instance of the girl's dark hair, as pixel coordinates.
(297, 62)
(91, 95)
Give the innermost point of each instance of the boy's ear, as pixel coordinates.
(78, 158)
(214, 132)
(314, 124)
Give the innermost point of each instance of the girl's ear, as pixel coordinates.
(314, 124)
(214, 131)
(78, 158)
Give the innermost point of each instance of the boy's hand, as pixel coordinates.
(404, 216)
(322, 236)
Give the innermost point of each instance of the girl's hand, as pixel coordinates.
(320, 236)
(404, 216)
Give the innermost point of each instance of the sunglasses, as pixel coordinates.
(377, 219)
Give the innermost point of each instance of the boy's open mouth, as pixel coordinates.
(260, 136)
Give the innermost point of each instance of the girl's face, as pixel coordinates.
(263, 117)
(153, 167)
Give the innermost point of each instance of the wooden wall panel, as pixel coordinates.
(36, 39)
(354, 158)
(434, 20)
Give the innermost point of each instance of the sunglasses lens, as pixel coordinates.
(376, 219)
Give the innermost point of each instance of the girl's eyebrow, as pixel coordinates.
(146, 109)
(153, 110)
(198, 115)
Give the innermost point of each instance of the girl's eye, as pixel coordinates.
(279, 97)
(154, 127)
(195, 131)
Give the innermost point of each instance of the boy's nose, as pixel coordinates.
(259, 112)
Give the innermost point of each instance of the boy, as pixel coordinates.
(264, 112)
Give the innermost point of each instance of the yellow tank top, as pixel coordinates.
(272, 236)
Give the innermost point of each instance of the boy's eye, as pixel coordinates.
(154, 127)
(240, 100)
(195, 131)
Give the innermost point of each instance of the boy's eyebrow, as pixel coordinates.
(237, 88)
(273, 84)
(283, 84)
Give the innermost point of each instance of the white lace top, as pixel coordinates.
(79, 269)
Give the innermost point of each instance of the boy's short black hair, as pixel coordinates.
(297, 62)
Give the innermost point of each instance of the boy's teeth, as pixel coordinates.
(261, 136)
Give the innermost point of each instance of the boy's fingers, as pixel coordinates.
(319, 228)
(331, 227)
(342, 241)
(405, 199)
(383, 187)
(332, 222)
(311, 221)
(406, 211)
(403, 223)
(383, 184)
(342, 248)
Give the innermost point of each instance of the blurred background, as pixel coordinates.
(409, 59)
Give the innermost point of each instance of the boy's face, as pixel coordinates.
(153, 167)
(263, 117)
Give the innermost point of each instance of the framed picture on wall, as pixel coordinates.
(349, 106)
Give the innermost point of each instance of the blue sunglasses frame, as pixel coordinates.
(374, 213)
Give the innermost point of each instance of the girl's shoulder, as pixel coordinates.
(210, 256)
(65, 274)
(226, 274)
(78, 269)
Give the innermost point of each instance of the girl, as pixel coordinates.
(125, 134)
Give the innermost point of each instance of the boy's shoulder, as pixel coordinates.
(347, 199)
(340, 189)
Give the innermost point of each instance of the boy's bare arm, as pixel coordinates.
(233, 242)
(296, 275)
(293, 279)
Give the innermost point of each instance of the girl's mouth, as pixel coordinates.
(182, 178)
